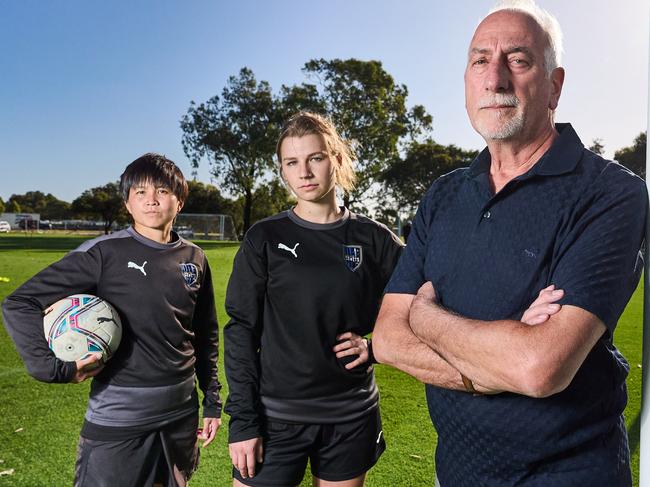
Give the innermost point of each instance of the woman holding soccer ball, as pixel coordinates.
(305, 290)
(141, 427)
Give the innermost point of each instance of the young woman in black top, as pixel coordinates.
(304, 291)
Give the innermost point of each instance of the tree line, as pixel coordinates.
(235, 134)
(105, 203)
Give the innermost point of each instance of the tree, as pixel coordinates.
(206, 198)
(409, 177)
(271, 198)
(236, 133)
(2, 206)
(295, 98)
(633, 157)
(268, 199)
(103, 201)
(597, 146)
(388, 216)
(48, 205)
(368, 108)
(12, 207)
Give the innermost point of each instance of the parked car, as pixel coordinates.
(5, 227)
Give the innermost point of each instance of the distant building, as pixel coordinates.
(22, 220)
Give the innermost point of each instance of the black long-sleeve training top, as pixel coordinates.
(164, 296)
(295, 286)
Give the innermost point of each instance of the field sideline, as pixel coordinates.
(39, 423)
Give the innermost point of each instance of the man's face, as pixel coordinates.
(508, 94)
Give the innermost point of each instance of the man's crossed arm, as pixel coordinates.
(418, 336)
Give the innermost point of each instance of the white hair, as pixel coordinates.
(547, 22)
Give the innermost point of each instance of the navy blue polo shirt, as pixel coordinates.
(574, 220)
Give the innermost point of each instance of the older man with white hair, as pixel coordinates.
(515, 404)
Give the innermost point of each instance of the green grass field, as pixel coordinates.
(39, 423)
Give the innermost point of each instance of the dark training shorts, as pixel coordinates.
(336, 452)
(168, 456)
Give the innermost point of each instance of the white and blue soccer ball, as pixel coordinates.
(82, 324)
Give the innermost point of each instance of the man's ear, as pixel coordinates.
(557, 81)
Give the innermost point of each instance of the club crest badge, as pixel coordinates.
(190, 273)
(353, 256)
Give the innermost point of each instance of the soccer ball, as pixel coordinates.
(82, 324)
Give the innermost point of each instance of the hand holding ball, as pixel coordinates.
(81, 325)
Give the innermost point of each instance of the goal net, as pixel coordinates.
(205, 226)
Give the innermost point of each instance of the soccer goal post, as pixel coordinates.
(644, 443)
(205, 226)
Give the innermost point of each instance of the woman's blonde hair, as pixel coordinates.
(308, 123)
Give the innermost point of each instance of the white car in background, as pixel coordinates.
(5, 227)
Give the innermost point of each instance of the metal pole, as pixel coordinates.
(644, 445)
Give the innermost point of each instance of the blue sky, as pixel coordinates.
(87, 85)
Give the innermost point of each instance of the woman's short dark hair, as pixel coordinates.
(157, 170)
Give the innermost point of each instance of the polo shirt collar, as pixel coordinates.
(562, 157)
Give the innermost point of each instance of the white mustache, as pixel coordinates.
(499, 99)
